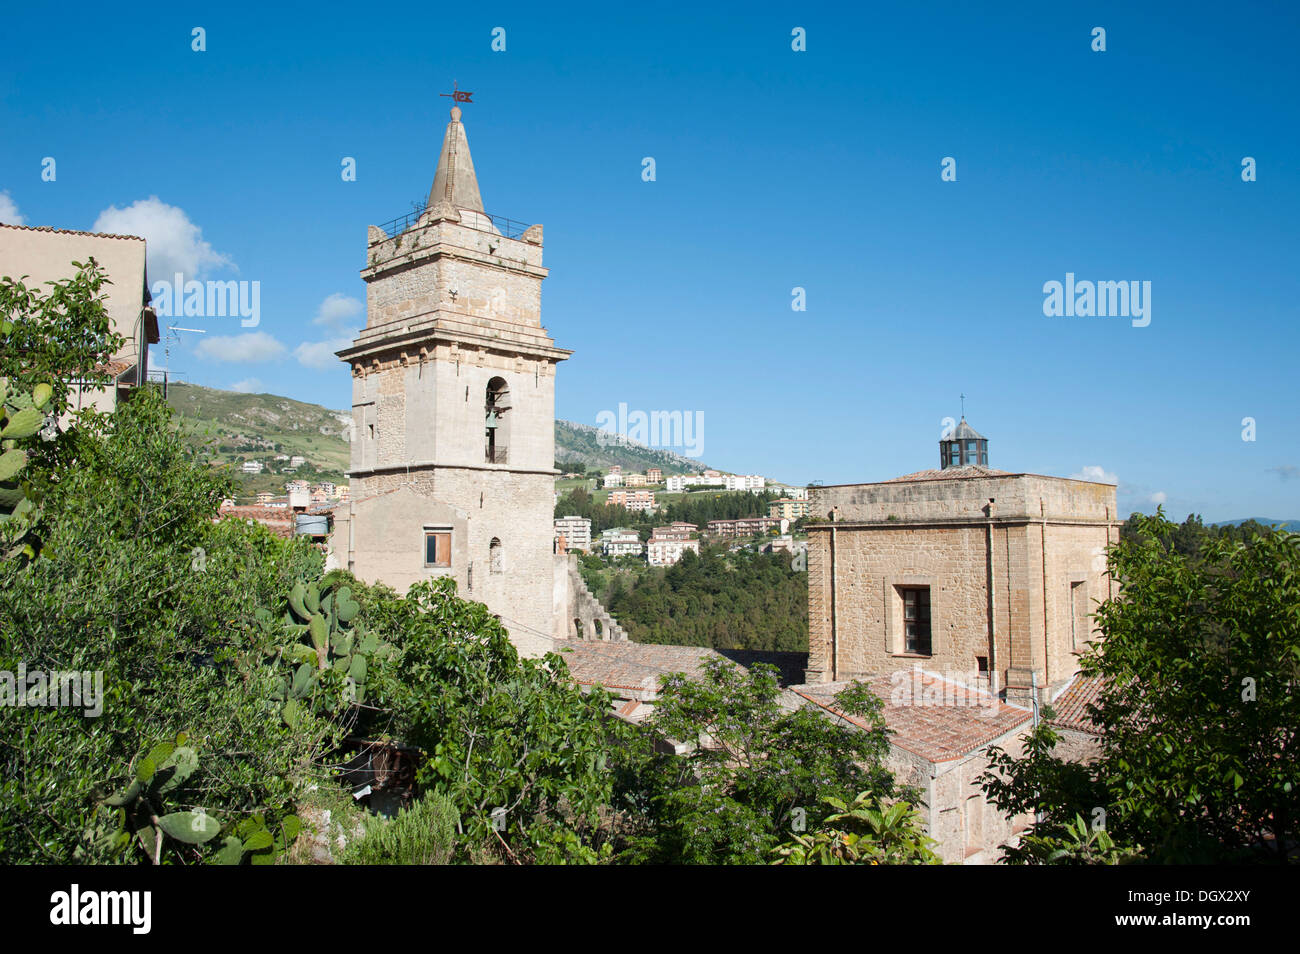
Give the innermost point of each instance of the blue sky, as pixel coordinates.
(775, 169)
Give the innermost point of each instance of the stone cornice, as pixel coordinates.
(412, 340)
(431, 466)
(946, 523)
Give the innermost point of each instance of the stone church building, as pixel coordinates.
(453, 410)
(962, 596)
(962, 568)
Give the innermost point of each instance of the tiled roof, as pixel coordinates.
(1071, 706)
(959, 721)
(628, 665)
(50, 228)
(632, 671)
(116, 367)
(951, 473)
(278, 520)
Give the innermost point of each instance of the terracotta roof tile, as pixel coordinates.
(627, 665)
(116, 367)
(948, 720)
(278, 520)
(1071, 706)
(50, 228)
(970, 471)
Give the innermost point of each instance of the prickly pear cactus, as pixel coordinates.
(141, 818)
(339, 653)
(22, 415)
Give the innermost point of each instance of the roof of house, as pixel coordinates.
(50, 228)
(115, 368)
(1071, 706)
(279, 520)
(948, 722)
(968, 472)
(628, 665)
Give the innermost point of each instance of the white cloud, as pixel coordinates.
(1158, 498)
(247, 386)
(9, 210)
(337, 312)
(320, 354)
(254, 346)
(175, 244)
(1096, 474)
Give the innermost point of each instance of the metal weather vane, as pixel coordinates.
(457, 94)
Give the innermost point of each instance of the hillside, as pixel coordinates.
(581, 444)
(261, 427)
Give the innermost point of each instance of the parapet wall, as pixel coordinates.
(1015, 496)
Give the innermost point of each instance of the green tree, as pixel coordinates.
(863, 832)
(516, 745)
(138, 588)
(754, 770)
(137, 582)
(1199, 711)
(60, 337)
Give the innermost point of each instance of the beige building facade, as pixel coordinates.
(43, 254)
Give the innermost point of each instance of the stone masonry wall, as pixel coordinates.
(937, 533)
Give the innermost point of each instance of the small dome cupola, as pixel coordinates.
(963, 446)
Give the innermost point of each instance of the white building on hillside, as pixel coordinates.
(619, 542)
(576, 532)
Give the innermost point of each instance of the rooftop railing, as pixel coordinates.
(510, 228)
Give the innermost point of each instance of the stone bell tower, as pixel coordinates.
(453, 407)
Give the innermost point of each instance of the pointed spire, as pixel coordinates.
(455, 187)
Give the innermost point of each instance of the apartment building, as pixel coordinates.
(575, 532)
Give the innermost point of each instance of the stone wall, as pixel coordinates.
(417, 271)
(1039, 538)
(957, 815)
(589, 619)
(379, 535)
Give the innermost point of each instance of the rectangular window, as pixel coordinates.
(1080, 629)
(916, 621)
(437, 547)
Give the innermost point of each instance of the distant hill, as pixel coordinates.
(1292, 525)
(261, 427)
(581, 444)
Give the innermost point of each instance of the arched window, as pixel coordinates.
(497, 421)
(496, 556)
